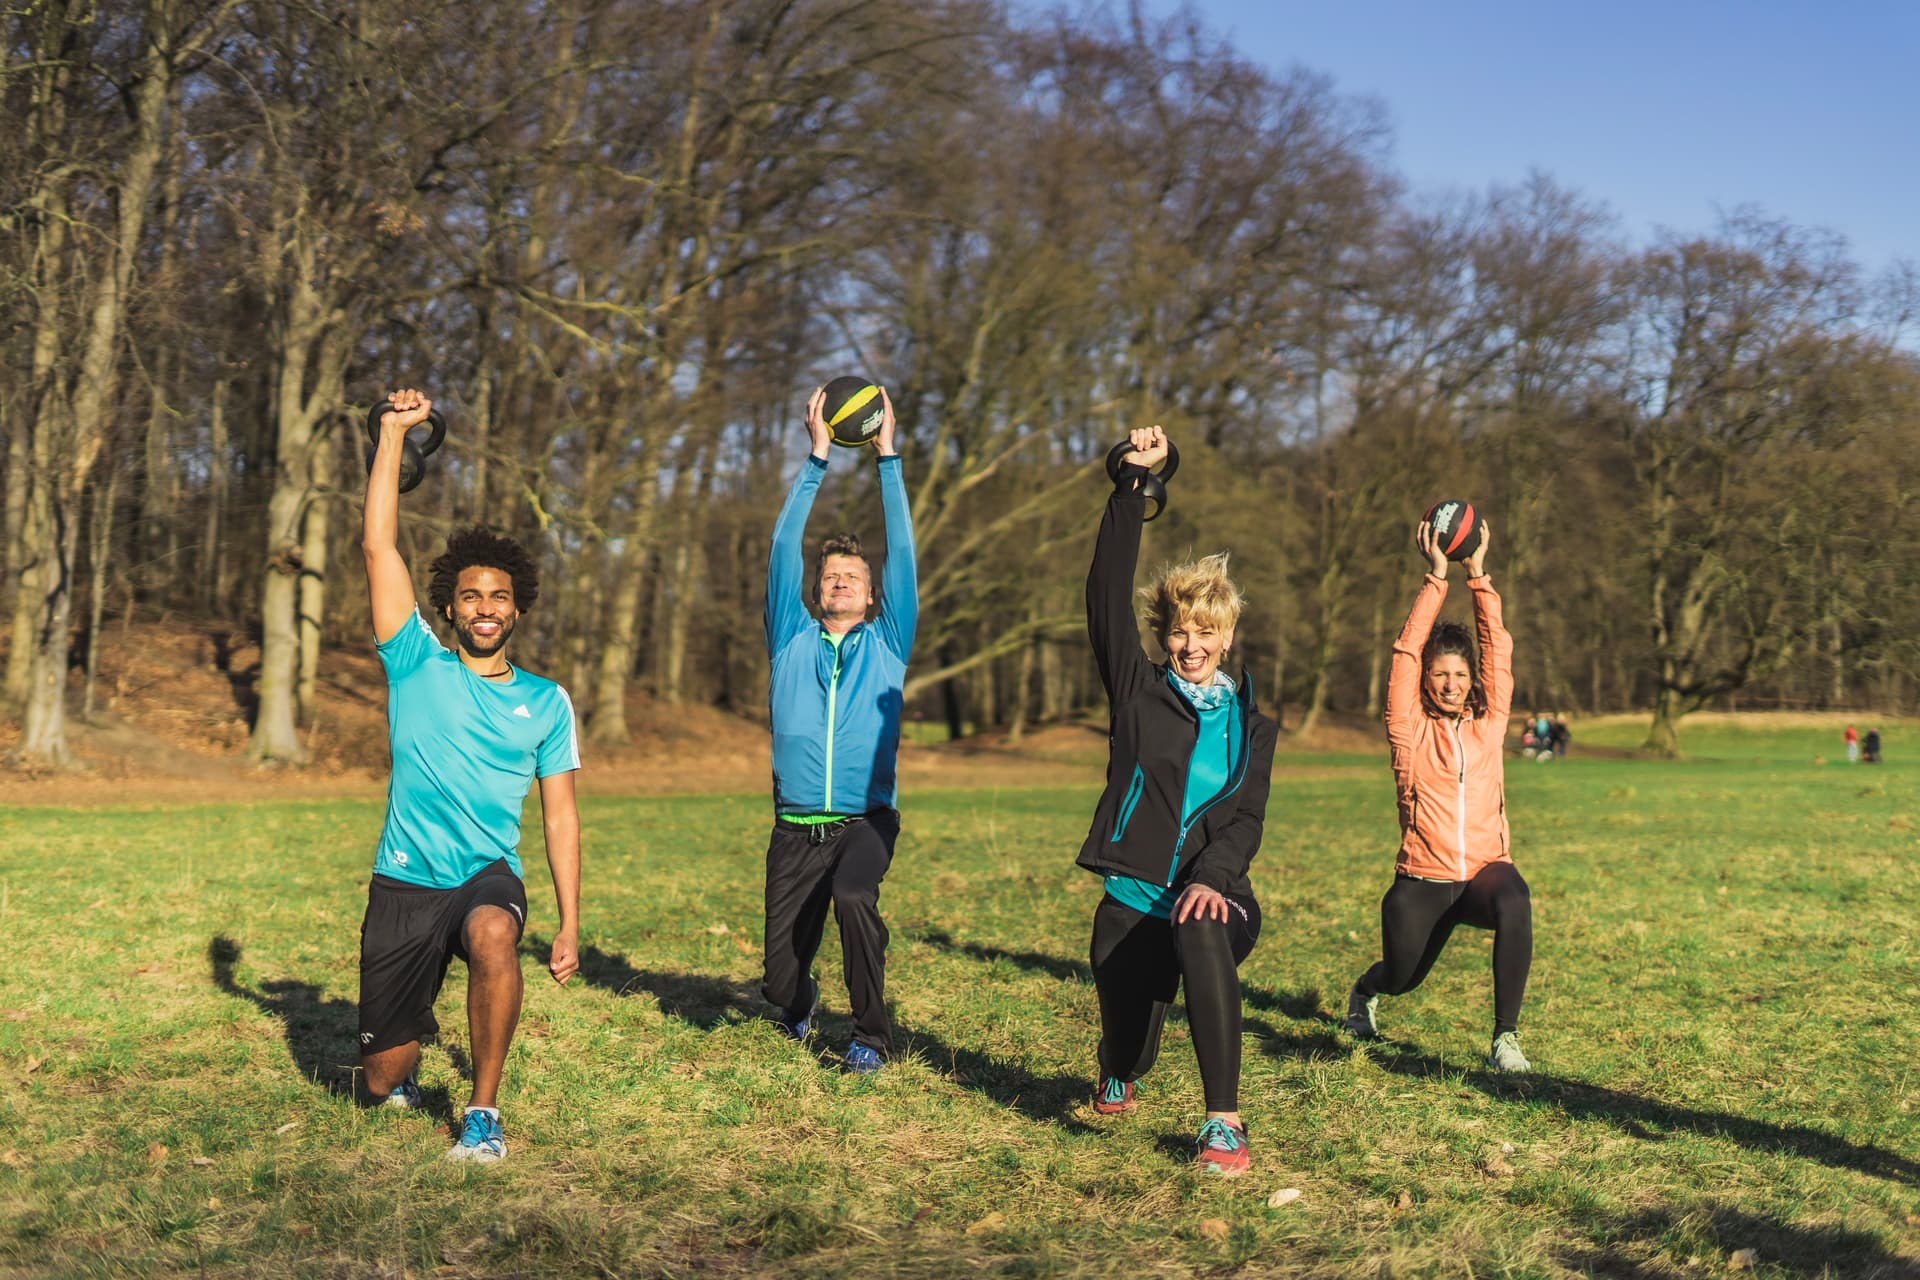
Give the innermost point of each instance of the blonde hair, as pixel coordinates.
(1199, 590)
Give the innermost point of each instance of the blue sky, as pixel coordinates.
(1664, 112)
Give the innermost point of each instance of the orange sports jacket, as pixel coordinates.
(1450, 774)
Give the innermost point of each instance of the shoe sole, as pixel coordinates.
(1221, 1170)
(1124, 1109)
(473, 1155)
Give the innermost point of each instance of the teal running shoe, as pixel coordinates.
(481, 1138)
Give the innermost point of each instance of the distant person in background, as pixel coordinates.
(1852, 737)
(1180, 820)
(1872, 746)
(1558, 734)
(1447, 710)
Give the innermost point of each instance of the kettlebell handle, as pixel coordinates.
(1125, 447)
(436, 427)
(1153, 485)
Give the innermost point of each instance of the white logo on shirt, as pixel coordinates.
(399, 858)
(522, 712)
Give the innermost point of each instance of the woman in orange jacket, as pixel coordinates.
(1447, 715)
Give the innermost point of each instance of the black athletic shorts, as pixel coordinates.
(410, 935)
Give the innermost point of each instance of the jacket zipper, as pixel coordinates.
(833, 697)
(1233, 785)
(1460, 800)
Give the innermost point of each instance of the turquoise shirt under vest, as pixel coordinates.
(465, 751)
(1215, 753)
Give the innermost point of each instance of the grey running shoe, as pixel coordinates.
(406, 1096)
(1505, 1054)
(1360, 1014)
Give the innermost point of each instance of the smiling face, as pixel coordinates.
(1448, 682)
(483, 612)
(1195, 646)
(846, 591)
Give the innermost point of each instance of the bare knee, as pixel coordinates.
(491, 935)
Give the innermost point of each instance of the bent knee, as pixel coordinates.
(491, 930)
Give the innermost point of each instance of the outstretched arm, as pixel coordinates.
(786, 608)
(560, 821)
(389, 585)
(900, 576)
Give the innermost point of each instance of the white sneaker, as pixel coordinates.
(1505, 1054)
(1360, 1014)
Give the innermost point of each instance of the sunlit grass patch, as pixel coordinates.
(1720, 1019)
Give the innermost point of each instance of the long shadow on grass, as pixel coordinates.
(1628, 1247)
(692, 997)
(1048, 1099)
(318, 1029)
(1038, 961)
(1646, 1118)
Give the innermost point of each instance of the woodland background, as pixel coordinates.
(619, 242)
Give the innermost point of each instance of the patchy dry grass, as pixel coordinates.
(1720, 1016)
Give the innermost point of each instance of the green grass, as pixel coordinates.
(1720, 1018)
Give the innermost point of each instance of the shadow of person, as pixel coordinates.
(1801, 1250)
(321, 1032)
(1047, 1099)
(694, 998)
(1037, 961)
(1646, 1118)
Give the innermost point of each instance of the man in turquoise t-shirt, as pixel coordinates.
(469, 733)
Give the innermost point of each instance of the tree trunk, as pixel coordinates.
(313, 573)
(101, 527)
(213, 552)
(1663, 735)
(43, 731)
(1376, 658)
(89, 416)
(609, 724)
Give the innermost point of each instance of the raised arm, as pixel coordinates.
(900, 576)
(389, 585)
(1403, 673)
(786, 609)
(1496, 645)
(1116, 553)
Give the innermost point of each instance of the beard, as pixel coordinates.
(482, 646)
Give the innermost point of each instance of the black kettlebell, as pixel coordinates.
(413, 457)
(1153, 485)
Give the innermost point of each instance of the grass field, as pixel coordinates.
(1721, 1022)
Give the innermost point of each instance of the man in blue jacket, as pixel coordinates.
(835, 706)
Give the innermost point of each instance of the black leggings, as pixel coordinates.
(1138, 963)
(1418, 916)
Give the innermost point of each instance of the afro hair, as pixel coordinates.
(482, 547)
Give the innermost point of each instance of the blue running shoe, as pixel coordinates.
(797, 1028)
(406, 1096)
(863, 1060)
(481, 1138)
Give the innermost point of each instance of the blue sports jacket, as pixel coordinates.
(836, 710)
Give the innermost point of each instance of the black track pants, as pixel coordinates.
(845, 869)
(1418, 916)
(1139, 962)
